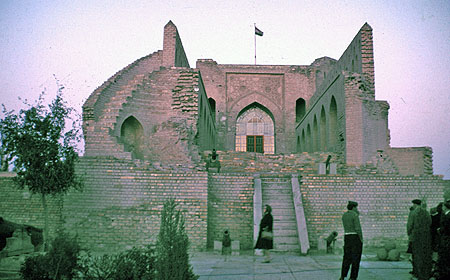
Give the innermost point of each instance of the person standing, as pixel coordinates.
(265, 235)
(443, 267)
(226, 244)
(353, 241)
(415, 203)
(420, 236)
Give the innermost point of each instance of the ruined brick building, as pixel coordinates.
(303, 138)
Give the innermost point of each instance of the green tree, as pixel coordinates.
(172, 258)
(41, 149)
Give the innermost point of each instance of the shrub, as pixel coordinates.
(135, 264)
(35, 268)
(172, 246)
(59, 262)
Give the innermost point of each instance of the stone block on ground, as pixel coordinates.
(235, 247)
(322, 245)
(382, 254)
(393, 255)
(217, 246)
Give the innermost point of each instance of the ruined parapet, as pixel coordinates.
(174, 54)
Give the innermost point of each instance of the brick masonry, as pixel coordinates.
(166, 106)
(230, 206)
(384, 202)
(22, 207)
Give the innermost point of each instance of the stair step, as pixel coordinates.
(285, 232)
(285, 247)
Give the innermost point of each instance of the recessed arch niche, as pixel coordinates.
(132, 135)
(255, 130)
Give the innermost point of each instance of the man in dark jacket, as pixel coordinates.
(420, 236)
(353, 241)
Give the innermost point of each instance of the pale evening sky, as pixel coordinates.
(83, 43)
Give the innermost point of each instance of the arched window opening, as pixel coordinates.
(131, 135)
(300, 109)
(323, 130)
(212, 105)
(333, 125)
(255, 130)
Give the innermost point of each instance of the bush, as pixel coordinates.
(59, 262)
(172, 246)
(135, 264)
(35, 268)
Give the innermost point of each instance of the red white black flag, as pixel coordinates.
(258, 32)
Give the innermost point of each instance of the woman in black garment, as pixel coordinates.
(265, 236)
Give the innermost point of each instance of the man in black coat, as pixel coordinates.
(419, 230)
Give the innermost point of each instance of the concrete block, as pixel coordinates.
(321, 169)
(235, 245)
(322, 245)
(333, 168)
(217, 246)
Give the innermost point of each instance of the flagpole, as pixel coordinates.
(254, 34)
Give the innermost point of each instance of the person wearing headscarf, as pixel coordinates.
(353, 241)
(265, 235)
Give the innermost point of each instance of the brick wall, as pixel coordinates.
(22, 207)
(121, 203)
(384, 203)
(413, 160)
(230, 206)
(275, 87)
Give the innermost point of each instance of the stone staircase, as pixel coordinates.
(277, 192)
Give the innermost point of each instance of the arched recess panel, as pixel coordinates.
(332, 139)
(308, 139)
(304, 149)
(255, 130)
(212, 105)
(315, 135)
(300, 109)
(323, 130)
(131, 135)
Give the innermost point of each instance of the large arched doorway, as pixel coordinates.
(131, 134)
(255, 130)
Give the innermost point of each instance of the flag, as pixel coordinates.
(258, 32)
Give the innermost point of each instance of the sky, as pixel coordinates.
(83, 43)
